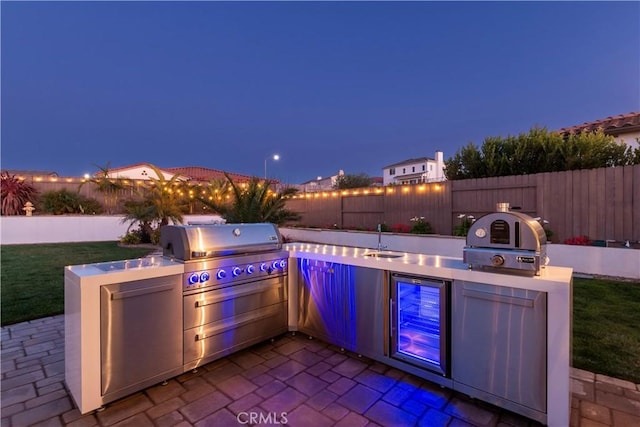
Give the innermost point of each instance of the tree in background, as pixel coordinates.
(538, 151)
(159, 203)
(352, 181)
(215, 189)
(109, 187)
(252, 202)
(15, 193)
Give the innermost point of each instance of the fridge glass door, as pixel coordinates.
(420, 323)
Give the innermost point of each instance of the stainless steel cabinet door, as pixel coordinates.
(499, 342)
(140, 331)
(343, 305)
(322, 311)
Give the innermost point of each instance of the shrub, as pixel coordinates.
(89, 206)
(131, 238)
(60, 202)
(15, 193)
(420, 226)
(401, 228)
(579, 241)
(462, 229)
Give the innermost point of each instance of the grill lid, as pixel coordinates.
(191, 242)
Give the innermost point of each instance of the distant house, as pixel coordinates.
(415, 171)
(20, 173)
(143, 171)
(625, 128)
(320, 183)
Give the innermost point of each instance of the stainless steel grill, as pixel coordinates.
(194, 242)
(506, 240)
(234, 286)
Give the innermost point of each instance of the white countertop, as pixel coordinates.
(550, 278)
(127, 270)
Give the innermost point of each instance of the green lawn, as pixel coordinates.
(606, 327)
(32, 280)
(606, 314)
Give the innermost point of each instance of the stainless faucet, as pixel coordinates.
(380, 245)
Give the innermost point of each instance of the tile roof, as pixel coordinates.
(410, 161)
(198, 173)
(613, 125)
(195, 173)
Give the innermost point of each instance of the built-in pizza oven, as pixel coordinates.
(507, 240)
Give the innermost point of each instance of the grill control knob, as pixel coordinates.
(282, 264)
(204, 276)
(221, 274)
(497, 260)
(263, 267)
(275, 265)
(193, 278)
(236, 271)
(250, 269)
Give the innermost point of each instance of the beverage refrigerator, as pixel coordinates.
(419, 318)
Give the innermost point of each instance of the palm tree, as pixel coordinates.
(108, 186)
(252, 202)
(143, 214)
(160, 203)
(15, 193)
(164, 197)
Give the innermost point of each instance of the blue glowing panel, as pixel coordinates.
(419, 322)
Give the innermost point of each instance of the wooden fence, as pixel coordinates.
(603, 204)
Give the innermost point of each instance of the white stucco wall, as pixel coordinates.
(141, 172)
(71, 228)
(630, 139)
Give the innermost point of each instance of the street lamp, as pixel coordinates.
(274, 157)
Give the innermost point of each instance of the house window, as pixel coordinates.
(413, 168)
(392, 171)
(430, 167)
(422, 168)
(404, 170)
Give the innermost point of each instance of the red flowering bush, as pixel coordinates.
(578, 240)
(400, 228)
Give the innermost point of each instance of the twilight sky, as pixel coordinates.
(326, 85)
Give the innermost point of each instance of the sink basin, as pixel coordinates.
(381, 255)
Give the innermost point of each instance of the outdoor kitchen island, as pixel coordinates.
(501, 338)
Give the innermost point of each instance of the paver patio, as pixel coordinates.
(292, 380)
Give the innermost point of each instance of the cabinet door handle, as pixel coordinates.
(391, 318)
(524, 302)
(139, 292)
